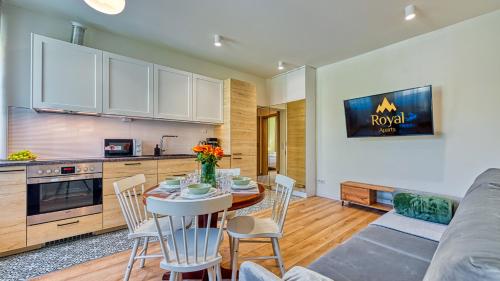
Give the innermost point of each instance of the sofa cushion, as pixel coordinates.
(377, 254)
(470, 247)
(424, 207)
(420, 228)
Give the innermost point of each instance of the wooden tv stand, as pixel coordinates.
(363, 194)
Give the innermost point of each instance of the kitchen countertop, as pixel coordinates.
(6, 163)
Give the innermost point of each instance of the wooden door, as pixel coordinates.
(13, 202)
(127, 86)
(173, 94)
(65, 76)
(296, 141)
(208, 99)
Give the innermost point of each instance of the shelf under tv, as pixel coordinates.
(364, 194)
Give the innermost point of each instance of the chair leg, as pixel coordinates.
(173, 276)
(145, 247)
(219, 273)
(234, 267)
(231, 241)
(131, 259)
(211, 272)
(277, 253)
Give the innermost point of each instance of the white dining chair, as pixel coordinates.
(193, 249)
(234, 172)
(243, 229)
(140, 224)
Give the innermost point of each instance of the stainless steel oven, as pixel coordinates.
(63, 191)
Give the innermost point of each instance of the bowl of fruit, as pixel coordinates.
(23, 155)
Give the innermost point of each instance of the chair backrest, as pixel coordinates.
(229, 172)
(129, 193)
(183, 248)
(284, 189)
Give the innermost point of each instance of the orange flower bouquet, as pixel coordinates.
(208, 156)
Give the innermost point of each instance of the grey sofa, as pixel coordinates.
(399, 249)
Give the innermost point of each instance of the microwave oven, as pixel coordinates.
(122, 147)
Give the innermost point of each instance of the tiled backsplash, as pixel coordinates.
(54, 135)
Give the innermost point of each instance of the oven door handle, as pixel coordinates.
(64, 178)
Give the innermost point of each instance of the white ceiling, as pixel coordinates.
(261, 32)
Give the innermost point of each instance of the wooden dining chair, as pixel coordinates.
(243, 229)
(194, 249)
(140, 224)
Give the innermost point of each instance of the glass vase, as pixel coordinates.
(208, 174)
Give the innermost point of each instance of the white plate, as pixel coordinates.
(243, 187)
(186, 195)
(168, 186)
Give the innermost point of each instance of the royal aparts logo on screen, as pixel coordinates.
(385, 119)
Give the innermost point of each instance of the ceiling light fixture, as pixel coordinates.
(410, 12)
(281, 65)
(110, 7)
(217, 40)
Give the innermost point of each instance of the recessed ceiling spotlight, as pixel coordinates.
(281, 65)
(110, 7)
(217, 40)
(410, 12)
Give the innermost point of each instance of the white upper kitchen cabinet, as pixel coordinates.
(173, 94)
(65, 76)
(208, 99)
(296, 85)
(291, 86)
(127, 86)
(277, 90)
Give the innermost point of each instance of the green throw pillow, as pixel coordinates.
(424, 207)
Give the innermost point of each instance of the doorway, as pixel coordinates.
(268, 150)
(281, 144)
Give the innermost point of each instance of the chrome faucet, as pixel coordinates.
(163, 143)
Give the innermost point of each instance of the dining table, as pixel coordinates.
(240, 200)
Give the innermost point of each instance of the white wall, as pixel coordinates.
(462, 62)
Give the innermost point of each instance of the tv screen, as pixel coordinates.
(399, 113)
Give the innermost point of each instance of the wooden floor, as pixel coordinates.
(313, 226)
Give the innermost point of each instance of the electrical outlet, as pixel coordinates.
(321, 181)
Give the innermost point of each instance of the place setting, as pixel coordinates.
(245, 185)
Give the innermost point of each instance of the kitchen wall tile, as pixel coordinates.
(54, 135)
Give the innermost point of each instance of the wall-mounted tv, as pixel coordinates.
(399, 113)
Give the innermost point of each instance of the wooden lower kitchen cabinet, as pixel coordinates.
(13, 203)
(112, 216)
(176, 167)
(225, 162)
(41, 233)
(108, 188)
(247, 165)
(122, 169)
